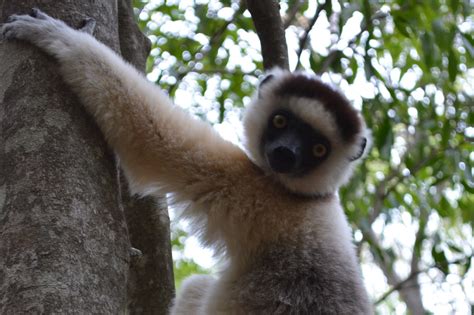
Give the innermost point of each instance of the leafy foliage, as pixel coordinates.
(183, 267)
(408, 65)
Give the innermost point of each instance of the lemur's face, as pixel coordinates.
(291, 146)
(304, 132)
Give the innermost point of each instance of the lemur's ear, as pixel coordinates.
(265, 80)
(363, 144)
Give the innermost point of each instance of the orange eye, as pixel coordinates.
(279, 121)
(319, 150)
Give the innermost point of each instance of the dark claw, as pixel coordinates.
(34, 12)
(88, 26)
(37, 13)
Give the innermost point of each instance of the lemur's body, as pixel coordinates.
(278, 222)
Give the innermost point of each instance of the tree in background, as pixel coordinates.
(408, 65)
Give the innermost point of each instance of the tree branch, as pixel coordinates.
(267, 20)
(204, 49)
(291, 14)
(333, 53)
(305, 37)
(403, 284)
(410, 295)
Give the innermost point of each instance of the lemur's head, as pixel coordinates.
(304, 131)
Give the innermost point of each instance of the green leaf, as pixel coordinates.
(353, 66)
(428, 49)
(445, 209)
(402, 25)
(440, 258)
(466, 205)
(455, 248)
(467, 8)
(315, 62)
(454, 4)
(442, 36)
(468, 187)
(467, 266)
(185, 267)
(335, 64)
(453, 65)
(384, 138)
(468, 42)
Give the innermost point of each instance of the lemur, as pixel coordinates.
(271, 209)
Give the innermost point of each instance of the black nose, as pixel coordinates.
(282, 160)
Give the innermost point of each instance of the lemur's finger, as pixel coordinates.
(89, 26)
(7, 33)
(12, 18)
(37, 13)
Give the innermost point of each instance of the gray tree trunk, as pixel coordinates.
(63, 239)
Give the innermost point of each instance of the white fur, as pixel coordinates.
(193, 292)
(236, 207)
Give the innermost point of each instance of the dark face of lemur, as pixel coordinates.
(303, 132)
(292, 146)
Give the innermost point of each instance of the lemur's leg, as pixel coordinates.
(192, 294)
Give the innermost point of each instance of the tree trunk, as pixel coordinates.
(151, 281)
(63, 239)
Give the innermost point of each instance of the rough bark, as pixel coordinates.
(268, 24)
(63, 240)
(151, 280)
(134, 46)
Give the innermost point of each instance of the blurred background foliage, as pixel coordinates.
(408, 66)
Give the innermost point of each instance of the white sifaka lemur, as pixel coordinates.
(272, 210)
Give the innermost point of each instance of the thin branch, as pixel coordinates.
(377, 16)
(384, 262)
(385, 187)
(305, 37)
(328, 61)
(291, 14)
(402, 284)
(334, 51)
(415, 169)
(381, 260)
(267, 20)
(419, 237)
(382, 192)
(206, 48)
(222, 71)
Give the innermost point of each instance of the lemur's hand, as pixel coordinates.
(42, 30)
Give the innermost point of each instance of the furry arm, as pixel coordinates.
(160, 146)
